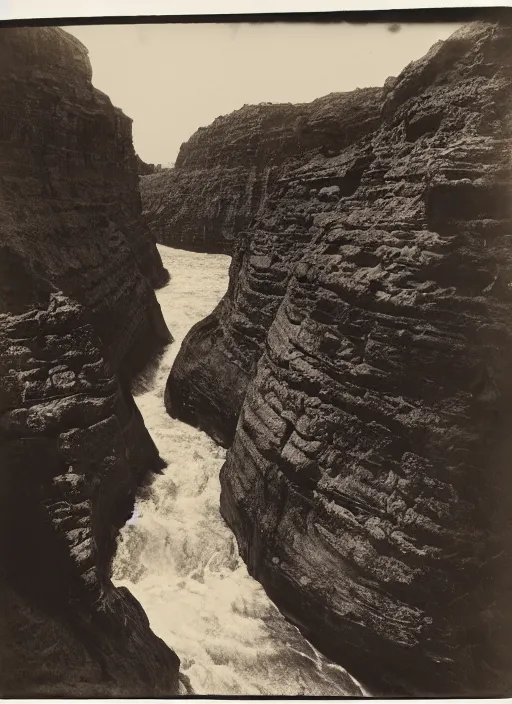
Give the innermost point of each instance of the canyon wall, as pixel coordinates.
(78, 316)
(306, 183)
(69, 195)
(225, 171)
(368, 483)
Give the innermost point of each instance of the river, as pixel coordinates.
(180, 560)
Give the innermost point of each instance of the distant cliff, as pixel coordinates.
(225, 171)
(367, 335)
(144, 169)
(78, 316)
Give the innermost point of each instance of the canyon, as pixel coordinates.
(78, 318)
(358, 367)
(356, 375)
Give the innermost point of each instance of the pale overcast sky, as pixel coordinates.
(173, 78)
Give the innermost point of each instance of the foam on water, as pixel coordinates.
(177, 556)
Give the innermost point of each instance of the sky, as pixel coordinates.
(173, 78)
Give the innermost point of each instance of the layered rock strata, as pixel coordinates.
(77, 316)
(232, 337)
(225, 171)
(73, 451)
(69, 192)
(367, 484)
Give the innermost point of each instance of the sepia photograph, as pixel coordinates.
(256, 356)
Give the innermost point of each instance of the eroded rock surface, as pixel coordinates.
(218, 357)
(225, 172)
(368, 483)
(73, 452)
(78, 315)
(69, 194)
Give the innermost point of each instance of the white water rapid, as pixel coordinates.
(180, 560)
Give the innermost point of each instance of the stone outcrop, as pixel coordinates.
(144, 169)
(233, 336)
(78, 315)
(368, 482)
(69, 194)
(225, 171)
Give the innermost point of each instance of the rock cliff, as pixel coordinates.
(224, 172)
(78, 315)
(368, 483)
(305, 183)
(70, 197)
(144, 169)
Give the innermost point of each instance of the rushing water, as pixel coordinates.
(178, 557)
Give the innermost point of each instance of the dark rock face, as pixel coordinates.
(70, 201)
(232, 338)
(77, 314)
(73, 451)
(225, 171)
(368, 483)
